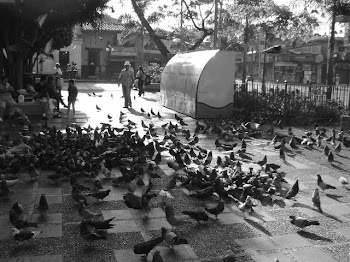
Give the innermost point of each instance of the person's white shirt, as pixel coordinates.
(58, 71)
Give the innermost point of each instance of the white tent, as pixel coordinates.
(200, 84)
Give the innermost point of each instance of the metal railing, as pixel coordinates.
(288, 101)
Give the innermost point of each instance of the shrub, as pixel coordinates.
(155, 71)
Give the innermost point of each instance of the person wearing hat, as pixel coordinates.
(58, 78)
(141, 76)
(126, 79)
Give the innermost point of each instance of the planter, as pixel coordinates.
(154, 87)
(345, 122)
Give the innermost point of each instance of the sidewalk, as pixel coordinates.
(262, 237)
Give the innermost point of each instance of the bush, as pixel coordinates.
(155, 71)
(298, 108)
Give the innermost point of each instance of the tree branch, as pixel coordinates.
(191, 16)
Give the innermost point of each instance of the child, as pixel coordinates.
(72, 95)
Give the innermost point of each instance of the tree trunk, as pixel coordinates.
(160, 45)
(264, 69)
(330, 55)
(19, 65)
(200, 40)
(245, 43)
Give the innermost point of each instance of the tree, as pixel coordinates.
(254, 18)
(202, 25)
(139, 8)
(35, 26)
(329, 9)
(198, 13)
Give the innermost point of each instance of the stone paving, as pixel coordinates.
(262, 237)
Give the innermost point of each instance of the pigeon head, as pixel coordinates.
(14, 231)
(18, 208)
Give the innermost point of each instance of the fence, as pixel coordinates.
(291, 101)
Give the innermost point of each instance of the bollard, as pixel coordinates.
(285, 101)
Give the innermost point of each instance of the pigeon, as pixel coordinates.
(144, 248)
(303, 222)
(165, 194)
(322, 184)
(98, 108)
(330, 157)
(43, 205)
(292, 143)
(157, 257)
(171, 238)
(337, 149)
(343, 180)
(171, 218)
(91, 235)
(142, 110)
(282, 154)
(100, 224)
(247, 206)
(316, 200)
(4, 187)
(182, 123)
(18, 208)
(196, 215)
(18, 222)
(218, 209)
(178, 118)
(229, 256)
(100, 195)
(77, 196)
(293, 191)
(263, 161)
(109, 116)
(326, 150)
(85, 213)
(24, 235)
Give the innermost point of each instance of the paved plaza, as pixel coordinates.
(262, 237)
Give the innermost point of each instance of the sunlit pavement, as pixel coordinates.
(265, 235)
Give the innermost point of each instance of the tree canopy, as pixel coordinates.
(28, 26)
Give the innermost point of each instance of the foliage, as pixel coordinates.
(293, 106)
(155, 71)
(36, 26)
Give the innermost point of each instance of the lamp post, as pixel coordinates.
(215, 24)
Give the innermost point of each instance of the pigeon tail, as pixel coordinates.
(314, 222)
(178, 241)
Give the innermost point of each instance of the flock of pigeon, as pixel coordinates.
(92, 153)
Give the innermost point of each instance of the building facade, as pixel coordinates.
(303, 63)
(101, 52)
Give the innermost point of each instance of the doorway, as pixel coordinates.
(94, 61)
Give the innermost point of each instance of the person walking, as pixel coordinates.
(141, 76)
(126, 79)
(42, 95)
(53, 93)
(72, 95)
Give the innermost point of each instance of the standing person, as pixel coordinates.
(55, 95)
(43, 97)
(72, 95)
(337, 80)
(58, 77)
(141, 76)
(126, 78)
